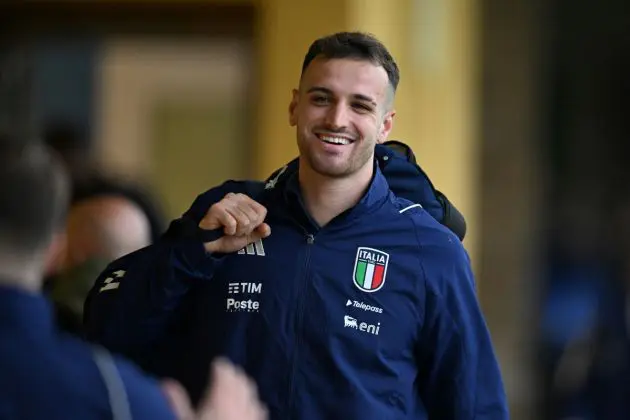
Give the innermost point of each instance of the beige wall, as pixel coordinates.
(171, 113)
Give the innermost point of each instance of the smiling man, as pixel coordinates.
(342, 300)
(341, 110)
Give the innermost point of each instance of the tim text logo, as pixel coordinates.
(350, 322)
(245, 287)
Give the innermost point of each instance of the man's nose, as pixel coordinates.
(337, 117)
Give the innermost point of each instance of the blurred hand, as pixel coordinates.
(242, 220)
(231, 396)
(178, 399)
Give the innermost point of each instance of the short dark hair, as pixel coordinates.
(357, 45)
(34, 195)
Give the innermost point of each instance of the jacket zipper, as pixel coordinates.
(310, 240)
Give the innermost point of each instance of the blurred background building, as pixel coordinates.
(516, 109)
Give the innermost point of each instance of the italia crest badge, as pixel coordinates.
(370, 268)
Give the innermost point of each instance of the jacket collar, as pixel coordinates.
(405, 179)
(376, 194)
(25, 312)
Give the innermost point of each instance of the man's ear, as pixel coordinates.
(293, 108)
(386, 126)
(56, 253)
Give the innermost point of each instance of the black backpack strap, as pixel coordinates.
(452, 219)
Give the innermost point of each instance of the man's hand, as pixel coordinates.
(231, 396)
(178, 400)
(242, 220)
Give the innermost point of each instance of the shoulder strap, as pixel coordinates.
(118, 400)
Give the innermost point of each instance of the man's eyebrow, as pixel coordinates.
(320, 89)
(327, 91)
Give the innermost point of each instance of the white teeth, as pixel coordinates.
(335, 140)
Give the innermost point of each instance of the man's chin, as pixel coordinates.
(330, 169)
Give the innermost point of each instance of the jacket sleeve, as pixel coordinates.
(135, 299)
(459, 376)
(145, 395)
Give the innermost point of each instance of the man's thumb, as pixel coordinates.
(262, 231)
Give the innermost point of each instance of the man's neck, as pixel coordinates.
(17, 276)
(325, 198)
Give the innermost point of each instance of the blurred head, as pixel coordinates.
(105, 228)
(35, 192)
(100, 229)
(344, 104)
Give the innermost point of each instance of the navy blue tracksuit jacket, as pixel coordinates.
(373, 316)
(45, 375)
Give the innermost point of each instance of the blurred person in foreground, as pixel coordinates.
(48, 375)
(341, 299)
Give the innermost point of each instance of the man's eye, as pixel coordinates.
(361, 107)
(319, 99)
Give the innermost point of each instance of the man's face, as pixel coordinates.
(341, 110)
